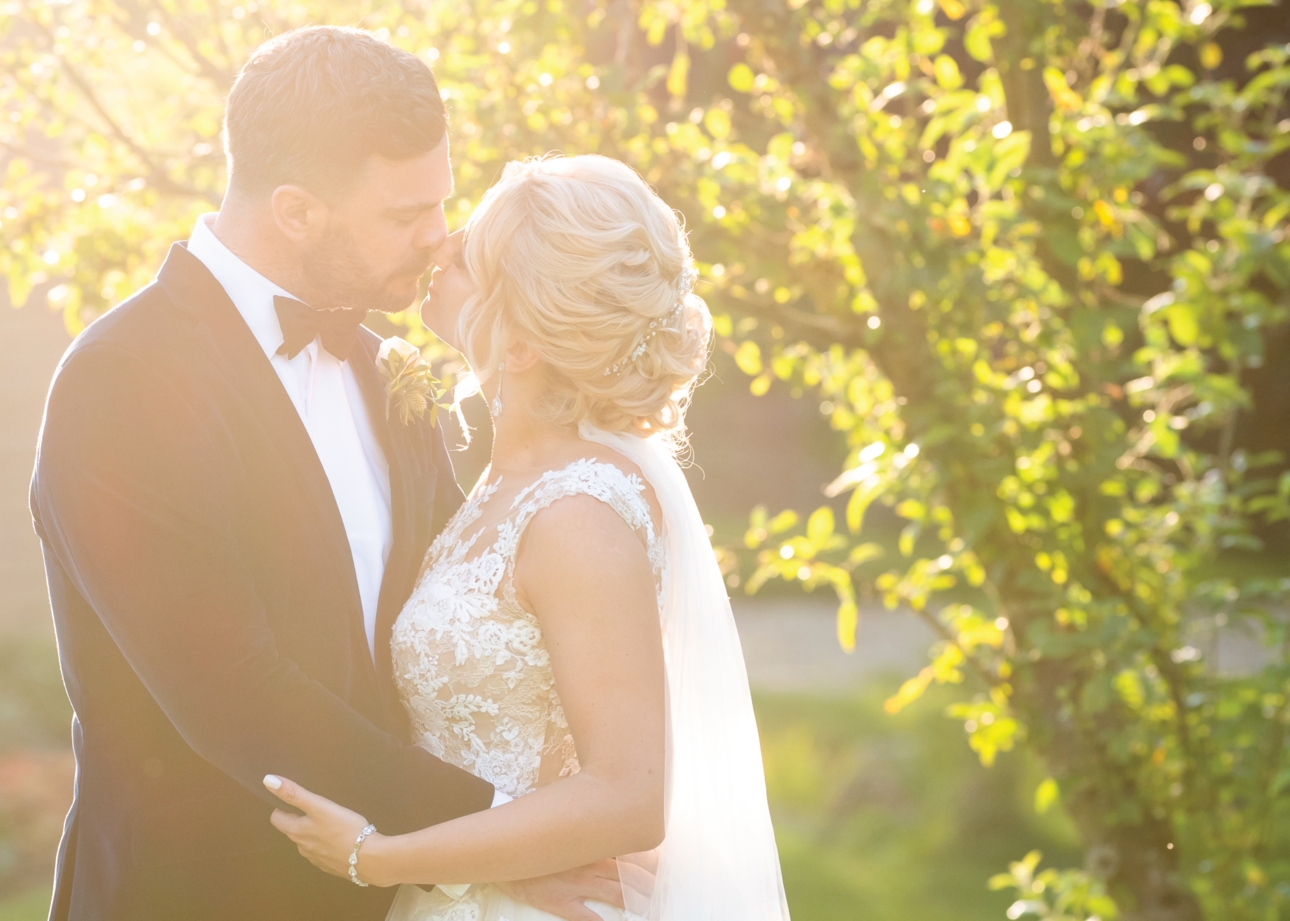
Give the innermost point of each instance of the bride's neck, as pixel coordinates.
(522, 442)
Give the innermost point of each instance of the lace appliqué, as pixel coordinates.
(471, 664)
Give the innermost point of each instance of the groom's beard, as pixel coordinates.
(342, 279)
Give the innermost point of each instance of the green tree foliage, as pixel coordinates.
(1029, 254)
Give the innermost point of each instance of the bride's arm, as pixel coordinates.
(587, 577)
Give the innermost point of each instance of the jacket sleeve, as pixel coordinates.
(131, 500)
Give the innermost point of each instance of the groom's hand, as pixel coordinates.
(563, 894)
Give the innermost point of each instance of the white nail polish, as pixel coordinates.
(272, 782)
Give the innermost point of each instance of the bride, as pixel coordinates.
(570, 639)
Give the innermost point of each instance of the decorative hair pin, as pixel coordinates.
(688, 277)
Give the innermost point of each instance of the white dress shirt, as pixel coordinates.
(326, 394)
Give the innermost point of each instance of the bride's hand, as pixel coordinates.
(325, 834)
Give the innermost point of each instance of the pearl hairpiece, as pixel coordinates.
(688, 277)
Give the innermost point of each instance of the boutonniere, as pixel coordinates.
(410, 385)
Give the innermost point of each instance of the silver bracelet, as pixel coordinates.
(353, 857)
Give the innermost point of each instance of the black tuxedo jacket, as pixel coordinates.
(209, 623)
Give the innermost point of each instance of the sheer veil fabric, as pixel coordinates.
(718, 860)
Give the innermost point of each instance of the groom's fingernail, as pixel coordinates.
(272, 782)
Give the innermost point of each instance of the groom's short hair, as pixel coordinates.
(310, 107)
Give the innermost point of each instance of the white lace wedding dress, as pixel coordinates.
(473, 670)
(476, 678)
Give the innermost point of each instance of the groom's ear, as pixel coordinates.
(299, 213)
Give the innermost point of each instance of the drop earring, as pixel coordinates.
(497, 398)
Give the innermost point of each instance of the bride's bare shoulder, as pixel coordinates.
(591, 535)
(580, 550)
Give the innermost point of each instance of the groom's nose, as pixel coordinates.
(433, 231)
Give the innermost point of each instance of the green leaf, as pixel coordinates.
(1009, 154)
(912, 509)
(863, 553)
(848, 620)
(1182, 324)
(741, 78)
(819, 527)
(1045, 795)
(748, 358)
(857, 505)
(782, 522)
(679, 73)
(947, 72)
(780, 147)
(976, 39)
(907, 537)
(717, 121)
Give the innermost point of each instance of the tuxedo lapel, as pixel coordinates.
(248, 372)
(411, 479)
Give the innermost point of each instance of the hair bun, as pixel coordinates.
(581, 258)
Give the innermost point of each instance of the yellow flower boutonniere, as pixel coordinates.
(410, 385)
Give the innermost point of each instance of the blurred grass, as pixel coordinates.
(891, 818)
(30, 906)
(35, 772)
(885, 818)
(34, 712)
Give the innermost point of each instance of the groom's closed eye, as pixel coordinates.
(406, 214)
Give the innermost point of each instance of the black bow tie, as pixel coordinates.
(301, 324)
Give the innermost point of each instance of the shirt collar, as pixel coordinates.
(251, 293)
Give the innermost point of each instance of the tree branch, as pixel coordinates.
(945, 634)
(156, 174)
(220, 76)
(27, 153)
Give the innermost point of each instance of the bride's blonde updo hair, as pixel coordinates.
(578, 257)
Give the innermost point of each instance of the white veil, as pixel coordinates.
(718, 861)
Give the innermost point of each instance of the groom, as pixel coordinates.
(231, 523)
